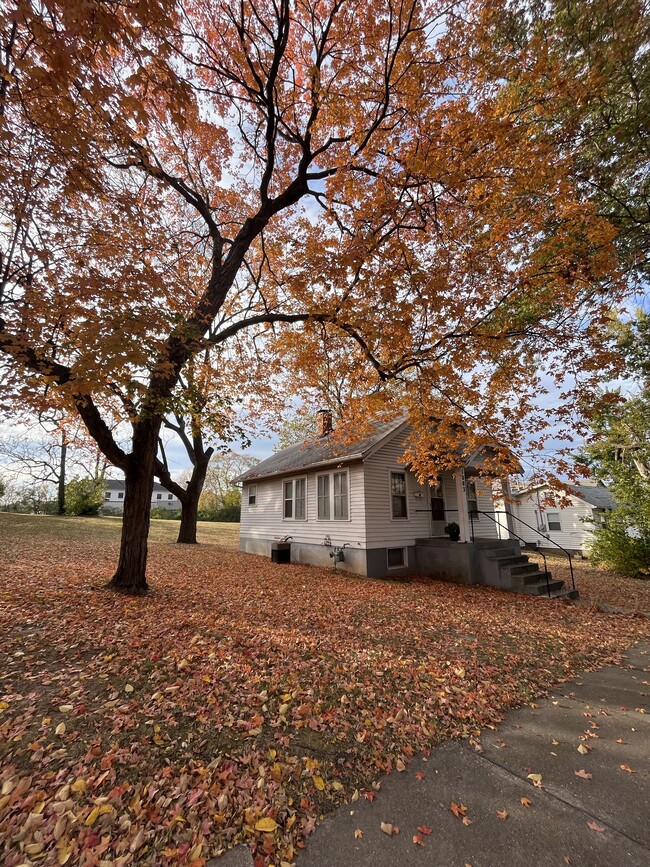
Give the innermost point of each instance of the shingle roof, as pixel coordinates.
(595, 495)
(319, 452)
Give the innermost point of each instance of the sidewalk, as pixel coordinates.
(606, 713)
(600, 712)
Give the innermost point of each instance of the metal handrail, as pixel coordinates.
(539, 532)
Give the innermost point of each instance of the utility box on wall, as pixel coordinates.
(281, 552)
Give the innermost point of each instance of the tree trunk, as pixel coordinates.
(61, 482)
(190, 502)
(189, 517)
(130, 576)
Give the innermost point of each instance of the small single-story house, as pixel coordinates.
(545, 515)
(160, 497)
(359, 507)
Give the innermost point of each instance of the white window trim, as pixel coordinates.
(252, 489)
(405, 558)
(559, 521)
(293, 518)
(406, 496)
(331, 475)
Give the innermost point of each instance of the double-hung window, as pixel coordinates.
(252, 495)
(332, 496)
(553, 519)
(398, 507)
(295, 499)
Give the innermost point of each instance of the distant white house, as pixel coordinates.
(160, 497)
(359, 507)
(544, 515)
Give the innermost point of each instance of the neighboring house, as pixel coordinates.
(544, 515)
(359, 507)
(160, 497)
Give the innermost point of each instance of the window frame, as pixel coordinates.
(405, 558)
(251, 495)
(391, 473)
(558, 523)
(120, 495)
(331, 496)
(293, 499)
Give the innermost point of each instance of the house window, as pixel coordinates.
(340, 485)
(472, 498)
(332, 496)
(323, 496)
(395, 558)
(159, 496)
(295, 499)
(120, 496)
(252, 495)
(553, 520)
(398, 495)
(170, 496)
(107, 495)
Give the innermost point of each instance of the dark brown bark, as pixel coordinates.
(189, 517)
(130, 576)
(61, 480)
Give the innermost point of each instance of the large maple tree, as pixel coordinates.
(179, 175)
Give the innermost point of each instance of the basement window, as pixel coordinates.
(395, 558)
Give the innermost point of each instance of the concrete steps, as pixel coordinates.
(517, 574)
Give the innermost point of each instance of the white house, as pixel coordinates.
(359, 507)
(545, 515)
(160, 497)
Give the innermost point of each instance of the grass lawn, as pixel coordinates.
(241, 699)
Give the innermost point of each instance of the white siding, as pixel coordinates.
(265, 519)
(575, 535)
(381, 529)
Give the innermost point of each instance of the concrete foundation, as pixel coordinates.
(461, 562)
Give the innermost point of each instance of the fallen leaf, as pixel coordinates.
(424, 829)
(458, 809)
(417, 839)
(583, 750)
(620, 741)
(467, 820)
(536, 778)
(389, 828)
(627, 768)
(419, 775)
(319, 782)
(525, 802)
(358, 833)
(267, 825)
(583, 774)
(399, 764)
(595, 826)
(502, 814)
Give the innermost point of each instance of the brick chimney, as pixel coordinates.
(324, 422)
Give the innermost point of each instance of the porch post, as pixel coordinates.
(463, 511)
(507, 505)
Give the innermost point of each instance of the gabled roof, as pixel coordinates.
(320, 452)
(597, 496)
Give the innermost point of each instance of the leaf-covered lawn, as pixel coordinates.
(599, 585)
(241, 699)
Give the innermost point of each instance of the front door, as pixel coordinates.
(438, 520)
